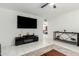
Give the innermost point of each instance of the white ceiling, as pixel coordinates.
(34, 8)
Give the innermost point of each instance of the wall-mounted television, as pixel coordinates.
(26, 22)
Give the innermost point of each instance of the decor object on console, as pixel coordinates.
(64, 30)
(25, 39)
(68, 37)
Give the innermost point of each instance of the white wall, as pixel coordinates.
(68, 21)
(9, 30)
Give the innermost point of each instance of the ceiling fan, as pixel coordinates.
(54, 6)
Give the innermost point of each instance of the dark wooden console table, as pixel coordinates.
(26, 39)
(60, 36)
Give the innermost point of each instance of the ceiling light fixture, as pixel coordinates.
(52, 4)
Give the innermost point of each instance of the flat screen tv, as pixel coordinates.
(26, 22)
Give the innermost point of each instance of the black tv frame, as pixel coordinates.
(26, 27)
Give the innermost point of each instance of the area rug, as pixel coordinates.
(53, 53)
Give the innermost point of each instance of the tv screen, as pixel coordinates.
(26, 22)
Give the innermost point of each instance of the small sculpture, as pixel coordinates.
(73, 39)
(19, 35)
(64, 30)
(27, 33)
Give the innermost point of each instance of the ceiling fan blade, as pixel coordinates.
(44, 5)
